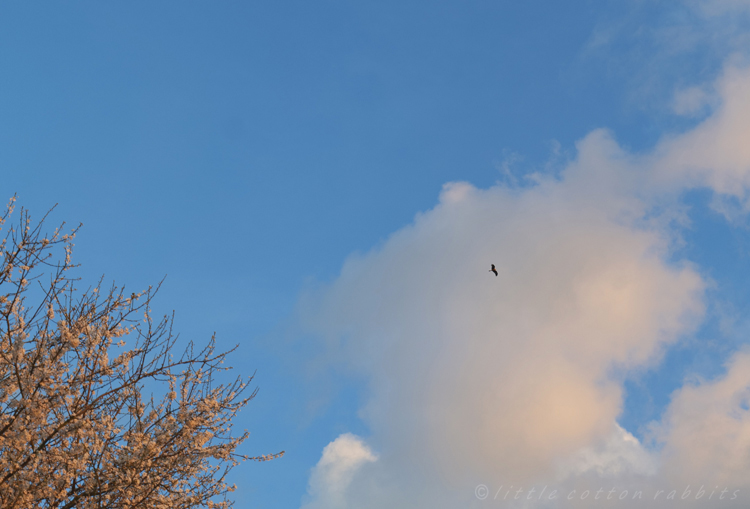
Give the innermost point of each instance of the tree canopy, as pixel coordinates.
(96, 408)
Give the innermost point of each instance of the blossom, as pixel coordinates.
(76, 427)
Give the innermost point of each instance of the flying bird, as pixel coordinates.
(493, 269)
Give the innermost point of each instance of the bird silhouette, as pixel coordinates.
(493, 269)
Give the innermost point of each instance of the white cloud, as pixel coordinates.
(477, 377)
(716, 153)
(333, 474)
(619, 454)
(518, 379)
(707, 429)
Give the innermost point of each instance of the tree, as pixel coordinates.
(77, 427)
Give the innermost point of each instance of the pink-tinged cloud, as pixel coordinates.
(518, 379)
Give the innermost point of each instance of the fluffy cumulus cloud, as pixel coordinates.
(517, 380)
(707, 429)
(332, 476)
(619, 454)
(716, 153)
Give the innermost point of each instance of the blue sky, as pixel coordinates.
(247, 150)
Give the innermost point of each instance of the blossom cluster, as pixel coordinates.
(77, 425)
